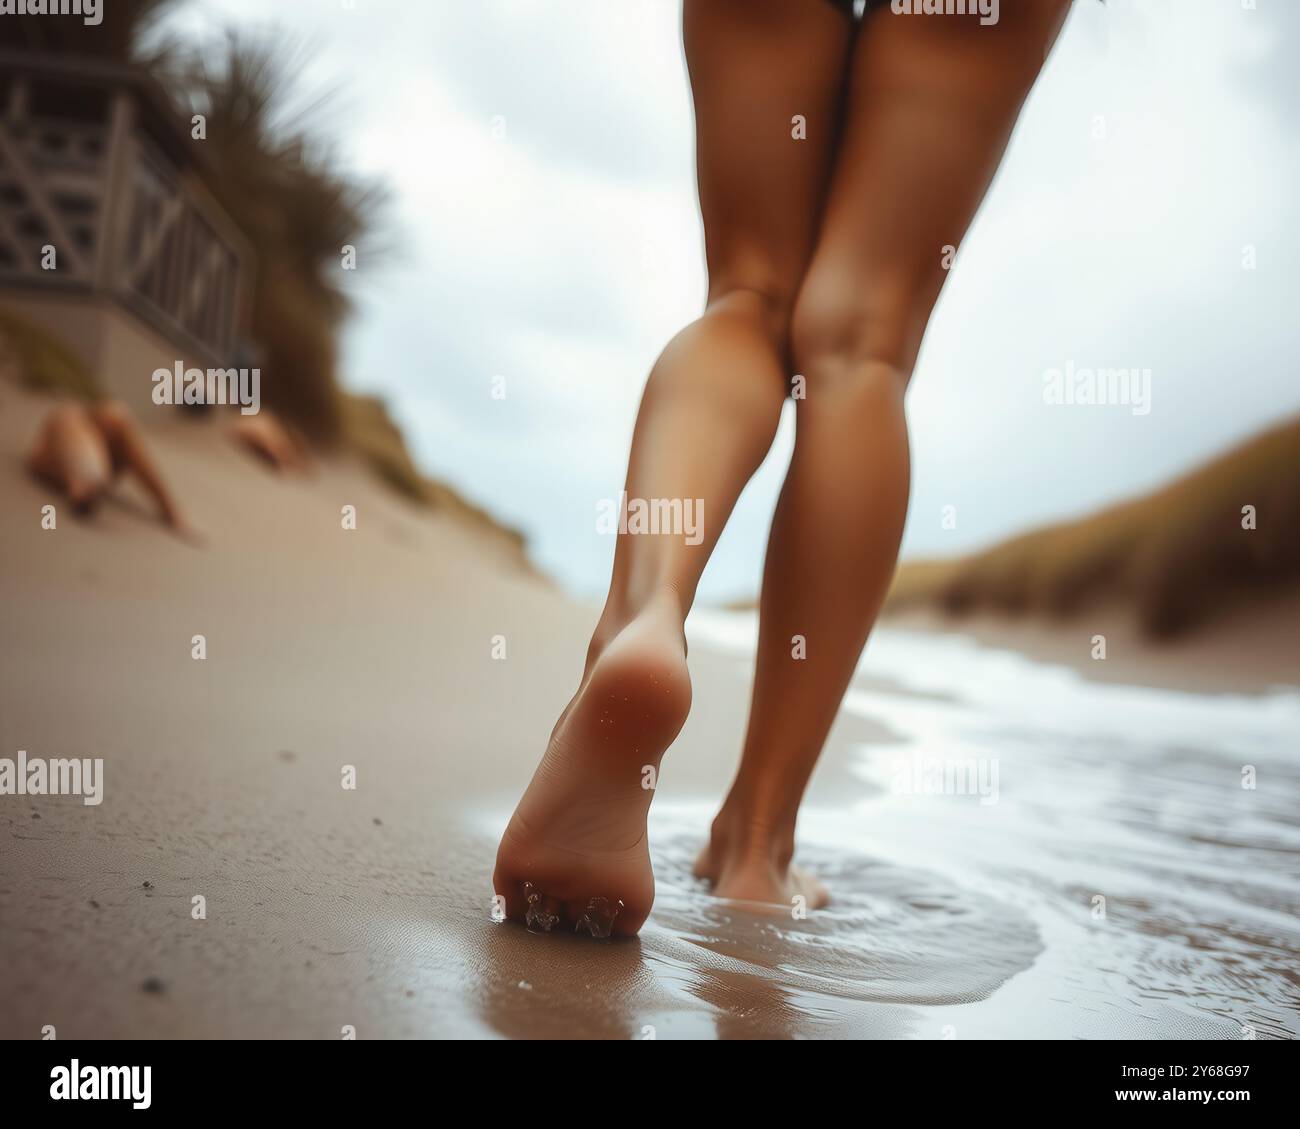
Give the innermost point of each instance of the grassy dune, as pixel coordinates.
(1178, 557)
(41, 362)
(369, 432)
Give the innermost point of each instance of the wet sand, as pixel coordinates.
(370, 908)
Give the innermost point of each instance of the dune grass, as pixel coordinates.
(43, 362)
(1179, 557)
(370, 432)
(271, 164)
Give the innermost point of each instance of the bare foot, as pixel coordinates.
(574, 856)
(755, 867)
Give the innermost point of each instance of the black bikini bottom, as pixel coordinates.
(847, 6)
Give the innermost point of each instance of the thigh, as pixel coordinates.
(932, 102)
(755, 66)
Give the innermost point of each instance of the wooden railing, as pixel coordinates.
(121, 221)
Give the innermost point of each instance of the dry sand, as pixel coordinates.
(370, 908)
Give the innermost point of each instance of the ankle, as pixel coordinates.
(621, 611)
(741, 833)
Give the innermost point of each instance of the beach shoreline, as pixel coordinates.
(1252, 651)
(375, 649)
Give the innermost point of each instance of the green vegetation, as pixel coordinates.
(1178, 557)
(369, 431)
(279, 183)
(44, 363)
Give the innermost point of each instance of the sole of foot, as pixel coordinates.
(574, 857)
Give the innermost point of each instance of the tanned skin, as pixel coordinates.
(825, 259)
(81, 450)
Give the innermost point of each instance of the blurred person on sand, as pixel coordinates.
(81, 450)
(276, 442)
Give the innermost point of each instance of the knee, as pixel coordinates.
(767, 301)
(841, 332)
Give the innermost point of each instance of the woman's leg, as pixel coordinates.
(932, 103)
(707, 419)
(129, 454)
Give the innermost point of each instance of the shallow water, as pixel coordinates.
(1038, 855)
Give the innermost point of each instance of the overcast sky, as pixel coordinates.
(540, 156)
